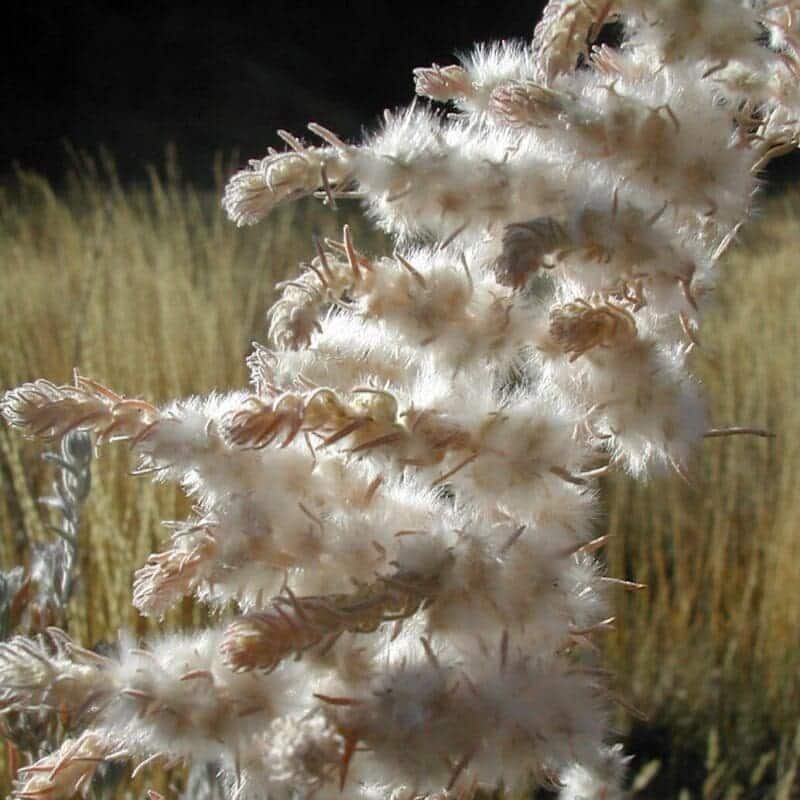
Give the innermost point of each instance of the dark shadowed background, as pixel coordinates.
(222, 79)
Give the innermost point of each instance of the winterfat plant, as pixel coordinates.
(404, 505)
(35, 598)
(38, 596)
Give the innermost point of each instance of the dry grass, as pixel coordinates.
(714, 644)
(151, 291)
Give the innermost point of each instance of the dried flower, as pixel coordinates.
(46, 411)
(294, 624)
(579, 326)
(442, 83)
(525, 245)
(66, 772)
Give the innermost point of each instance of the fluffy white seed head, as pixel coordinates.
(400, 519)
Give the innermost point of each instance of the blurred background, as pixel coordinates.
(120, 128)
